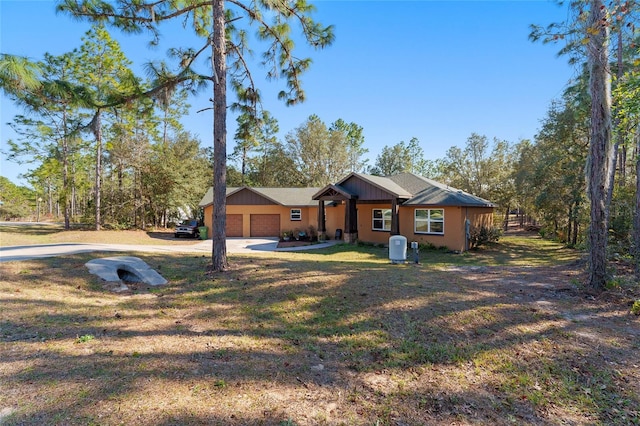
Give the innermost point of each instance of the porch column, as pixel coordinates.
(322, 225)
(395, 219)
(351, 221)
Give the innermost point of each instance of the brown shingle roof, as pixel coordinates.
(416, 189)
(284, 196)
(427, 192)
(383, 183)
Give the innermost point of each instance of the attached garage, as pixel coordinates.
(265, 225)
(264, 212)
(234, 225)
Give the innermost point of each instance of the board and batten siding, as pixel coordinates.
(365, 190)
(248, 198)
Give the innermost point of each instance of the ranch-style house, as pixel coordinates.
(358, 207)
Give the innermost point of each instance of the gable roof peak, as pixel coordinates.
(281, 196)
(381, 182)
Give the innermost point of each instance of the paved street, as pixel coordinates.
(234, 245)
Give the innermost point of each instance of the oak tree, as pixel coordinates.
(402, 158)
(320, 155)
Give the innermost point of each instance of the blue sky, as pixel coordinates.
(435, 70)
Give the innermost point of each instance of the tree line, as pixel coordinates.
(600, 109)
(132, 164)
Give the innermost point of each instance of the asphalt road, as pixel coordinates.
(234, 245)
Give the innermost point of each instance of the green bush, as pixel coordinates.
(426, 246)
(483, 235)
(312, 233)
(635, 309)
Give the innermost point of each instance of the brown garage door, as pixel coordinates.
(234, 225)
(265, 225)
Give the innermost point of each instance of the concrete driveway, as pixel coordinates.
(234, 245)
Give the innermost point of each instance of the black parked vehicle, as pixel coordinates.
(188, 228)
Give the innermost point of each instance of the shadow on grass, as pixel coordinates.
(164, 235)
(509, 251)
(33, 229)
(280, 339)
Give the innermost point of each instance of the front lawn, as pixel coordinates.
(337, 336)
(19, 235)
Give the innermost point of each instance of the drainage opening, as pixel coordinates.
(128, 276)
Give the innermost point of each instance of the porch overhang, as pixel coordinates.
(334, 193)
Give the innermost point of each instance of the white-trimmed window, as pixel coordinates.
(381, 219)
(296, 214)
(429, 221)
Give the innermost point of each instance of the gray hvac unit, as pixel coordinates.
(397, 249)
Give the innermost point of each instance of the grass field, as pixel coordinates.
(502, 335)
(17, 235)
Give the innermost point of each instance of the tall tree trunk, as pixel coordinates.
(219, 59)
(622, 159)
(521, 217)
(49, 198)
(576, 223)
(135, 199)
(599, 146)
(72, 207)
(636, 215)
(569, 224)
(96, 126)
(244, 163)
(65, 173)
(619, 141)
(505, 222)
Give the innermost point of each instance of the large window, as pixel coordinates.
(296, 214)
(382, 219)
(429, 221)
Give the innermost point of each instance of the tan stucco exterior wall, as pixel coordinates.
(309, 217)
(454, 225)
(481, 217)
(334, 219)
(453, 237)
(454, 222)
(365, 223)
(207, 219)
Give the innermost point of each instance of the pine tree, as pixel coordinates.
(217, 26)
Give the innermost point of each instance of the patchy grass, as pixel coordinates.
(512, 250)
(338, 336)
(18, 235)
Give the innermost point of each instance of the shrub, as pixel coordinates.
(115, 226)
(483, 235)
(426, 246)
(635, 308)
(286, 235)
(312, 233)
